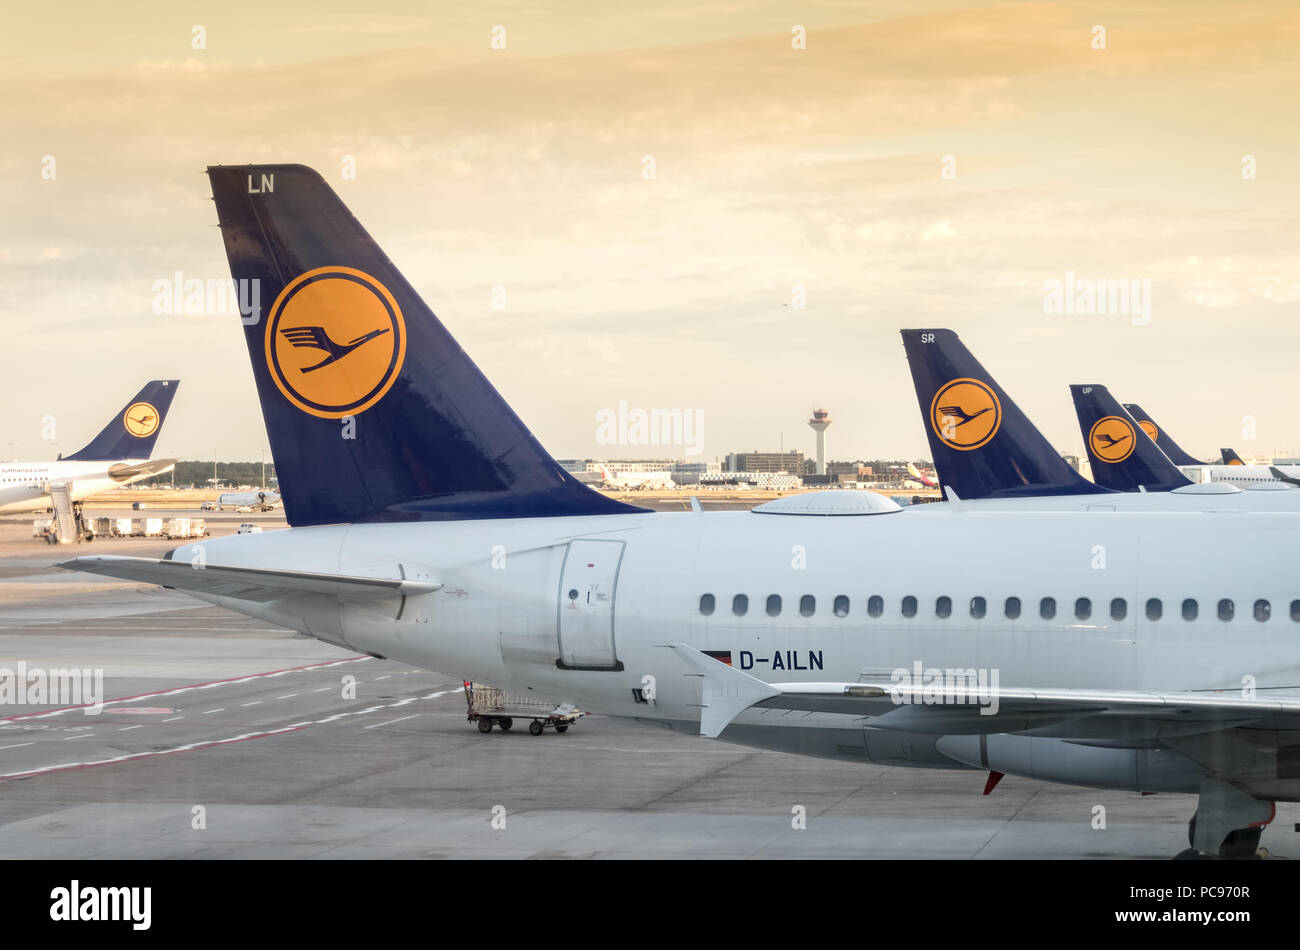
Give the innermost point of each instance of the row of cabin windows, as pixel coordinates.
(1011, 607)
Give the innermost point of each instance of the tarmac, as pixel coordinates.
(224, 737)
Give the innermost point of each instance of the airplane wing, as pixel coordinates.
(246, 583)
(962, 710)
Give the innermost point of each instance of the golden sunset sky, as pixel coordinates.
(774, 168)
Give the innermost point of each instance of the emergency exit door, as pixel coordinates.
(586, 622)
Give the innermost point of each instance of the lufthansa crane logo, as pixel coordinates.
(1149, 428)
(965, 414)
(140, 419)
(335, 342)
(1111, 439)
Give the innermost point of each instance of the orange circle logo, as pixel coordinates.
(1111, 439)
(140, 419)
(1236, 462)
(965, 414)
(1152, 432)
(335, 342)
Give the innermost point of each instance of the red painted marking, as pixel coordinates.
(1267, 821)
(174, 689)
(32, 773)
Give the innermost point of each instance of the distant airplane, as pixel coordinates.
(651, 481)
(923, 479)
(1232, 471)
(261, 500)
(117, 456)
(1015, 468)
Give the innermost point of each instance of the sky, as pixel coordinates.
(914, 165)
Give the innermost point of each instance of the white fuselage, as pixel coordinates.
(647, 480)
(1243, 476)
(25, 486)
(580, 609)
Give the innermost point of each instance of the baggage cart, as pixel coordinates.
(489, 706)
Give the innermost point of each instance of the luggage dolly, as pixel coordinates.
(489, 706)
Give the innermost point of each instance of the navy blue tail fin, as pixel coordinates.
(1122, 456)
(133, 431)
(374, 412)
(1230, 457)
(983, 445)
(1160, 437)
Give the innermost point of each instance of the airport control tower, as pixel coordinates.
(819, 423)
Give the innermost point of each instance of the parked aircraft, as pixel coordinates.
(1095, 648)
(117, 456)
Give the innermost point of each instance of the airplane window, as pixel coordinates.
(1155, 609)
(1012, 608)
(706, 604)
(875, 605)
(1189, 609)
(909, 606)
(978, 607)
(1047, 608)
(774, 605)
(1118, 608)
(740, 605)
(1262, 610)
(1083, 608)
(1226, 609)
(1295, 610)
(943, 607)
(841, 606)
(807, 604)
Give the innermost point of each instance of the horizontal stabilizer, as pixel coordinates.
(246, 583)
(121, 471)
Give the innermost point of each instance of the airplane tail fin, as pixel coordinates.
(1160, 437)
(1123, 457)
(983, 445)
(132, 432)
(1230, 457)
(373, 410)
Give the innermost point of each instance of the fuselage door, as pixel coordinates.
(585, 627)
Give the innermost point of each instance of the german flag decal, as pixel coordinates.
(722, 656)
